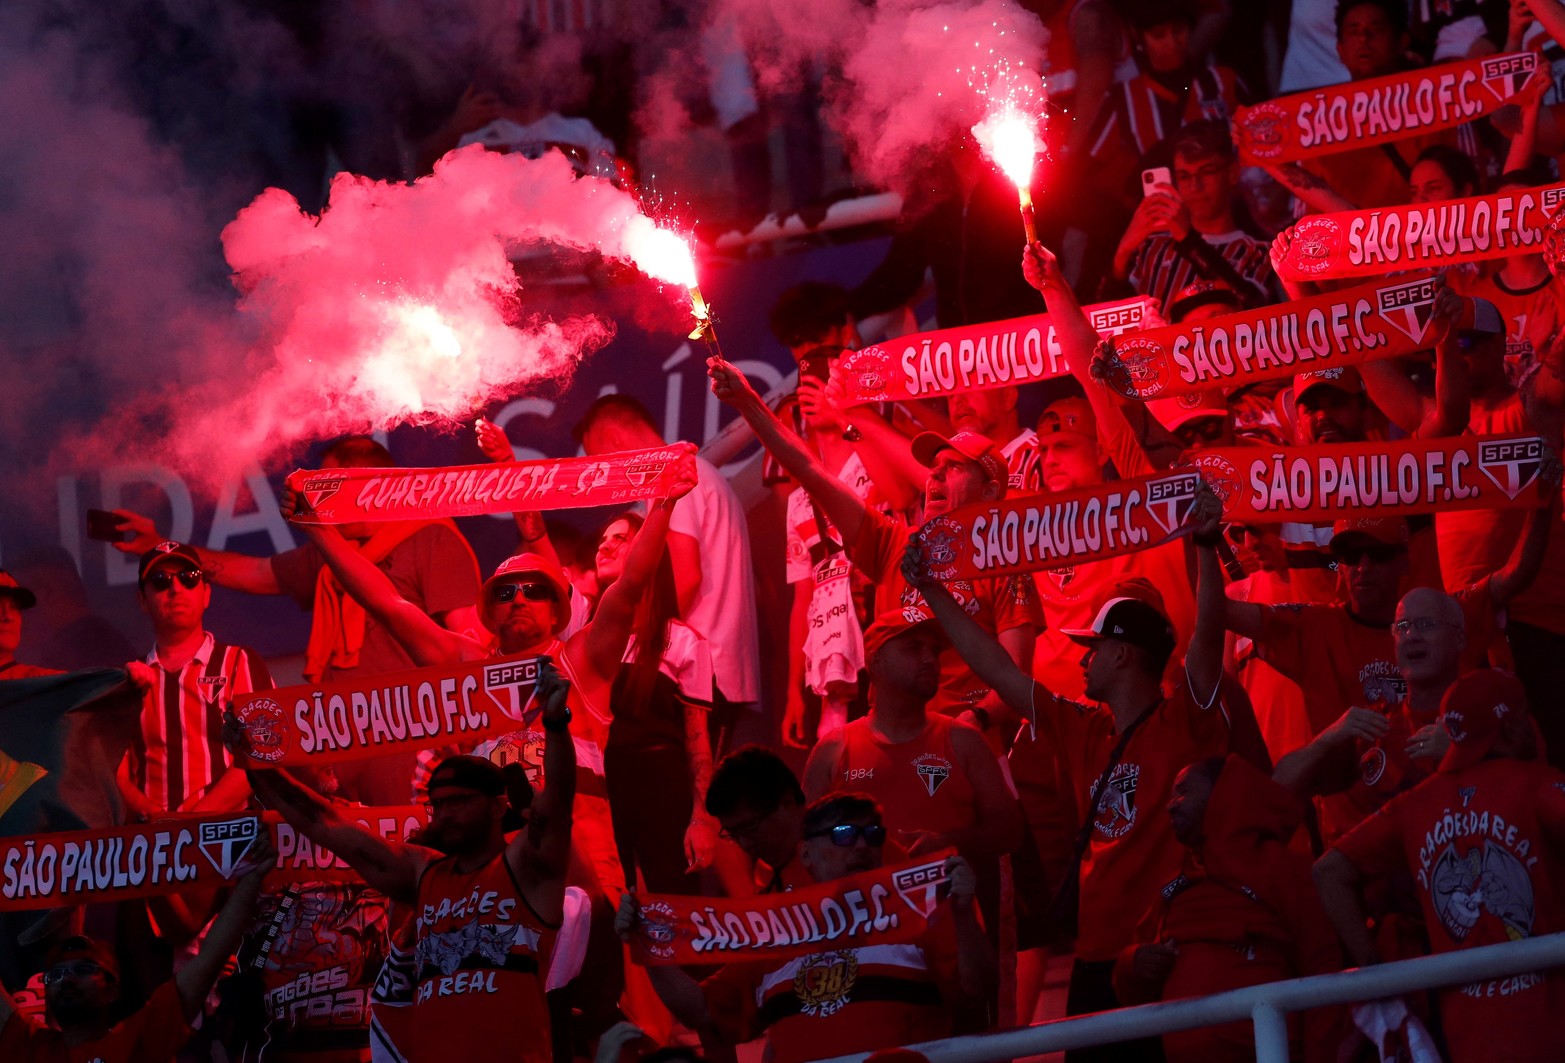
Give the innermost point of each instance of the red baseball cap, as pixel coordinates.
(894, 623)
(971, 445)
(529, 565)
(1191, 406)
(1473, 713)
(1343, 378)
(1391, 531)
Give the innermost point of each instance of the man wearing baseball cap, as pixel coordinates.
(963, 468)
(523, 606)
(1330, 406)
(1483, 840)
(87, 1017)
(179, 764)
(1122, 748)
(992, 413)
(14, 599)
(935, 776)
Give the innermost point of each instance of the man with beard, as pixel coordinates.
(179, 764)
(963, 468)
(844, 1000)
(82, 991)
(487, 908)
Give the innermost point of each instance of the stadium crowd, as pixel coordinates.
(1251, 752)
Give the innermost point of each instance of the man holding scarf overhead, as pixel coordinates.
(429, 562)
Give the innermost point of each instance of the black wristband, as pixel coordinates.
(559, 726)
(1209, 542)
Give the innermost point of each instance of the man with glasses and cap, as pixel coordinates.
(846, 1000)
(179, 763)
(87, 1017)
(757, 800)
(14, 599)
(524, 609)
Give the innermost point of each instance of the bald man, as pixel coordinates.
(1372, 753)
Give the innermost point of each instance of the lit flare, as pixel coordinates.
(1010, 139)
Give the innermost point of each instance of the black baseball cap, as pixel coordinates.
(168, 550)
(9, 588)
(1128, 620)
(470, 773)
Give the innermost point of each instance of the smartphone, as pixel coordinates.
(105, 527)
(1152, 178)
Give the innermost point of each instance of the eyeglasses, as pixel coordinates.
(747, 829)
(1378, 553)
(435, 804)
(77, 969)
(1421, 624)
(189, 578)
(532, 592)
(845, 834)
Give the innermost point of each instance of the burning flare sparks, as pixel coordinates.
(1010, 139)
(666, 256)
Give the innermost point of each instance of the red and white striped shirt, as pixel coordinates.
(180, 753)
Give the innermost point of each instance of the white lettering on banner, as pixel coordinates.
(1403, 106)
(827, 919)
(1055, 530)
(1363, 481)
(435, 710)
(35, 868)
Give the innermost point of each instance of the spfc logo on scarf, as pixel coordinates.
(1170, 499)
(224, 844)
(920, 886)
(1511, 464)
(1408, 307)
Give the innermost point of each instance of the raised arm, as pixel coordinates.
(388, 866)
(1527, 555)
(981, 650)
(843, 508)
(546, 843)
(424, 639)
(680, 993)
(1313, 190)
(240, 572)
(529, 523)
(195, 979)
(1204, 655)
(1080, 344)
(609, 633)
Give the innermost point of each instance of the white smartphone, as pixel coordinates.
(1152, 178)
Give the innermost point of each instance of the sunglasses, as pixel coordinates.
(532, 592)
(78, 969)
(1203, 429)
(1379, 553)
(189, 578)
(845, 834)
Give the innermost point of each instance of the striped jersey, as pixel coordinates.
(1159, 270)
(1141, 111)
(179, 753)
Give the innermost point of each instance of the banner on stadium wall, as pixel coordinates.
(1322, 484)
(1361, 243)
(1361, 324)
(1360, 114)
(171, 856)
(1022, 350)
(339, 496)
(397, 712)
(880, 907)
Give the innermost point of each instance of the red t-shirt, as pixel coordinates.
(151, 1035)
(1483, 845)
(843, 1000)
(1132, 851)
(997, 605)
(920, 784)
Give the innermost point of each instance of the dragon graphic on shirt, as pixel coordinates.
(1486, 880)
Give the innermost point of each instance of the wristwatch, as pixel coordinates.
(561, 724)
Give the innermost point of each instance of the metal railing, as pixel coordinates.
(1267, 1005)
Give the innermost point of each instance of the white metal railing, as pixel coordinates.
(1266, 1005)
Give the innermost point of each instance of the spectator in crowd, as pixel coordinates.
(949, 964)
(758, 800)
(14, 600)
(709, 545)
(179, 764)
(1518, 288)
(430, 564)
(86, 1017)
(520, 880)
(523, 609)
(1482, 838)
(963, 468)
(1188, 231)
(938, 781)
(1121, 751)
(992, 414)
(1241, 911)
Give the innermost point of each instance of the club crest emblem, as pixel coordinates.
(226, 842)
(266, 729)
(824, 982)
